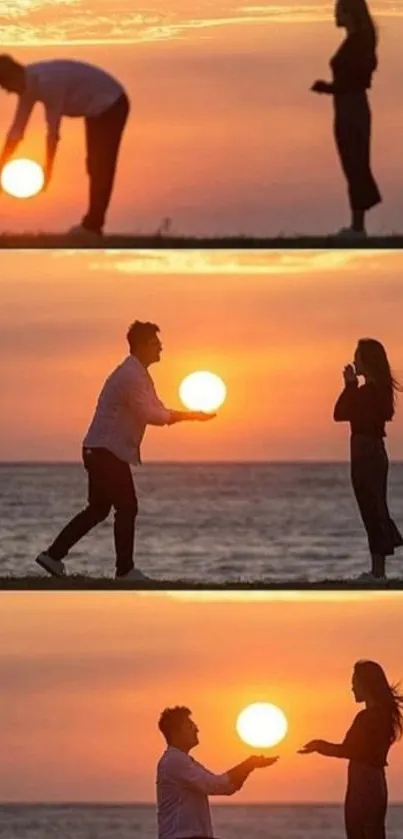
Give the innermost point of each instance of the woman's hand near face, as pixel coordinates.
(349, 374)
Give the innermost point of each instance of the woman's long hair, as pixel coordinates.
(376, 363)
(372, 678)
(362, 21)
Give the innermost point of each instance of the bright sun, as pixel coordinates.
(22, 178)
(262, 725)
(203, 391)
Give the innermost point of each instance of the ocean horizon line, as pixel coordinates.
(269, 462)
(152, 806)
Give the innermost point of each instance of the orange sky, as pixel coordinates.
(224, 128)
(84, 677)
(278, 328)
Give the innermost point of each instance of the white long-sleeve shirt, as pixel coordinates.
(183, 787)
(127, 404)
(66, 88)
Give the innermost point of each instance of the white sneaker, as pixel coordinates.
(368, 577)
(135, 575)
(350, 233)
(54, 567)
(84, 235)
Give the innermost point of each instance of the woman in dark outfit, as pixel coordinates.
(366, 746)
(352, 67)
(368, 408)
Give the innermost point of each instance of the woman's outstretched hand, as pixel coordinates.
(349, 374)
(320, 86)
(311, 747)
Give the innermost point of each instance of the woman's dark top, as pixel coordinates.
(353, 65)
(366, 408)
(369, 739)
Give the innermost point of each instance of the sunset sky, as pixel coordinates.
(85, 676)
(225, 135)
(277, 327)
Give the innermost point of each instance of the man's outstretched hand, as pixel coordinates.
(261, 762)
(190, 416)
(239, 774)
(202, 416)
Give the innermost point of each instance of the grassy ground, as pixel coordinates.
(78, 583)
(44, 241)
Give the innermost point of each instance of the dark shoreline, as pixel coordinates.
(50, 241)
(80, 583)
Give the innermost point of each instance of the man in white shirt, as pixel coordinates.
(73, 89)
(127, 404)
(183, 785)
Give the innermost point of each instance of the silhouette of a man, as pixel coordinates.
(127, 404)
(73, 89)
(184, 786)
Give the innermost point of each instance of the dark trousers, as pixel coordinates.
(366, 803)
(369, 475)
(103, 138)
(352, 129)
(110, 484)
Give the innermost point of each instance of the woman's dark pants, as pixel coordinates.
(369, 475)
(366, 803)
(352, 129)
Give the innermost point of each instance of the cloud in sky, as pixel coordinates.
(41, 22)
(233, 262)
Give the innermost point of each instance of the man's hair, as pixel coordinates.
(8, 66)
(139, 333)
(171, 719)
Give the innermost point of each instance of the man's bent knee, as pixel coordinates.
(100, 512)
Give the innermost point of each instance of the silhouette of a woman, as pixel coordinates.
(352, 68)
(368, 408)
(366, 747)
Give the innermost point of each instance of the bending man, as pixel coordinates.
(73, 89)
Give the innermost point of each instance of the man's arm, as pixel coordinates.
(54, 115)
(194, 775)
(191, 774)
(145, 404)
(238, 774)
(17, 130)
(190, 416)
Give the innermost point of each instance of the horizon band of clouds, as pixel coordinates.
(75, 22)
(239, 262)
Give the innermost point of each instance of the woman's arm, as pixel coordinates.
(332, 749)
(348, 748)
(324, 748)
(321, 86)
(346, 404)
